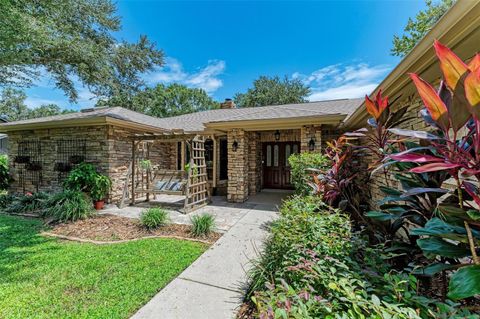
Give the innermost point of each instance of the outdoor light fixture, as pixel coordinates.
(234, 146)
(277, 135)
(311, 144)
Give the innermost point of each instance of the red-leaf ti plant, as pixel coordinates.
(383, 118)
(453, 111)
(341, 185)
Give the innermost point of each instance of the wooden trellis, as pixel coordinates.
(155, 180)
(197, 194)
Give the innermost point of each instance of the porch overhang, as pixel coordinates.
(277, 123)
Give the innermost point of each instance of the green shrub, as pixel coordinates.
(6, 200)
(202, 225)
(4, 172)
(314, 267)
(101, 184)
(29, 203)
(299, 164)
(69, 205)
(81, 178)
(154, 218)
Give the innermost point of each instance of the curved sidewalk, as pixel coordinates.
(212, 287)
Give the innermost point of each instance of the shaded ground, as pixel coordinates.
(111, 228)
(48, 278)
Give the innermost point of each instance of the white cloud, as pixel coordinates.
(36, 101)
(206, 78)
(340, 81)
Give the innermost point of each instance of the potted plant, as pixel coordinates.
(101, 184)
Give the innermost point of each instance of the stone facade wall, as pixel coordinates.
(379, 179)
(162, 155)
(238, 177)
(307, 132)
(48, 178)
(107, 147)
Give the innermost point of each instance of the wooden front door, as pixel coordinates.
(276, 170)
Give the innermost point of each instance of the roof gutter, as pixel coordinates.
(459, 29)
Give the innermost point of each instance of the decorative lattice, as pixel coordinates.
(29, 163)
(70, 153)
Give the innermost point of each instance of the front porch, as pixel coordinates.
(226, 213)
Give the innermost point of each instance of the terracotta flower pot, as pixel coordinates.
(99, 204)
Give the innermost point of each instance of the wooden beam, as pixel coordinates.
(133, 172)
(214, 173)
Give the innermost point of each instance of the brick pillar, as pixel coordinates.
(306, 133)
(237, 190)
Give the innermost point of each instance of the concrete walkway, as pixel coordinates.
(213, 286)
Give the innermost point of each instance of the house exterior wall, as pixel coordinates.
(49, 180)
(378, 180)
(163, 155)
(245, 174)
(107, 147)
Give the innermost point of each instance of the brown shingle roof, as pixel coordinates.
(194, 122)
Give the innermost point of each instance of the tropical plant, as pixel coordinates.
(154, 218)
(85, 178)
(313, 266)
(69, 205)
(342, 185)
(4, 172)
(202, 225)
(299, 165)
(81, 178)
(451, 238)
(101, 184)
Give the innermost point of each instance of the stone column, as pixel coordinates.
(237, 190)
(306, 133)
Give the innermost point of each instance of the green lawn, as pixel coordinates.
(48, 278)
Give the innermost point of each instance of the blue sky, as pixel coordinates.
(339, 48)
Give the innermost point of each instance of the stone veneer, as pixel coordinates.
(107, 147)
(245, 172)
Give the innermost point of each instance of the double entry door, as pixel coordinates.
(276, 170)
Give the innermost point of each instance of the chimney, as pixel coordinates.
(228, 104)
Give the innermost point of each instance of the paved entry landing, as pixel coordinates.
(226, 214)
(213, 286)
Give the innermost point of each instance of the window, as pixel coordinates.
(180, 165)
(209, 158)
(223, 159)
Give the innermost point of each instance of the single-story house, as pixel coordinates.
(246, 149)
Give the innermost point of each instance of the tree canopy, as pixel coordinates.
(13, 107)
(164, 100)
(273, 91)
(417, 27)
(72, 42)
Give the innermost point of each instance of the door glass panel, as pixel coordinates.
(287, 154)
(269, 155)
(275, 155)
(295, 148)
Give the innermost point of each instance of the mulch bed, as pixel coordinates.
(111, 228)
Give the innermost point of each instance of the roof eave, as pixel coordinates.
(93, 121)
(278, 123)
(461, 20)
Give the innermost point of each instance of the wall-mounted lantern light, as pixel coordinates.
(234, 146)
(311, 144)
(277, 135)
